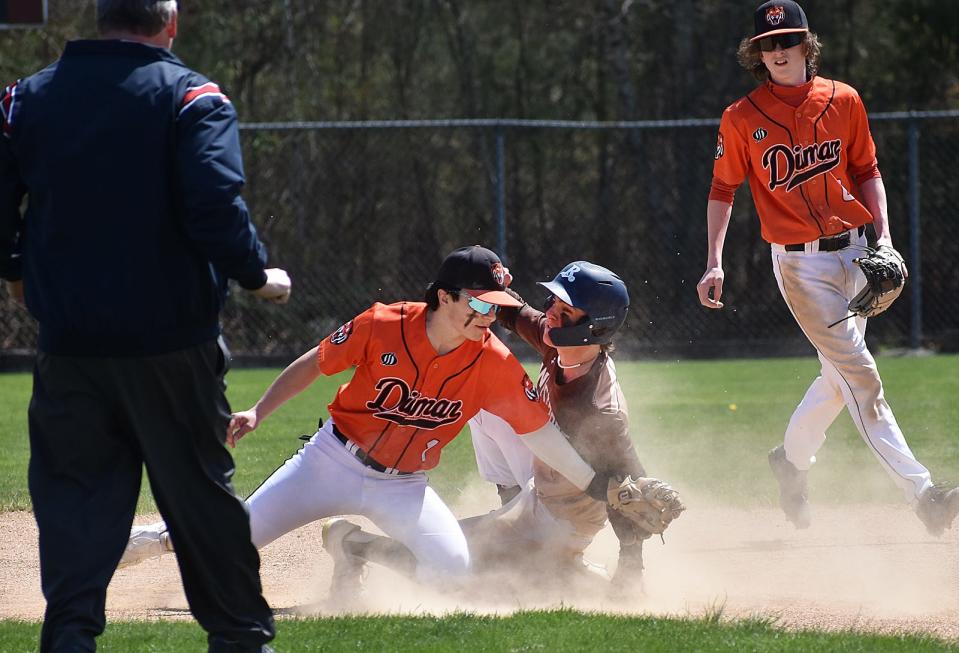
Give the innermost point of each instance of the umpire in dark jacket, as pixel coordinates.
(131, 166)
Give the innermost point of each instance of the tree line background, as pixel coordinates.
(365, 214)
(584, 60)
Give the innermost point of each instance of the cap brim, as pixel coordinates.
(557, 290)
(777, 32)
(497, 297)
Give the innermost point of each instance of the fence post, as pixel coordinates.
(500, 185)
(915, 249)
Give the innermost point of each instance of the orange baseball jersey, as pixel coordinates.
(804, 160)
(405, 402)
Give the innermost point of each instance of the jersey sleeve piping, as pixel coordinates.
(196, 93)
(7, 106)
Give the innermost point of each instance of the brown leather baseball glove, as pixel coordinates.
(650, 502)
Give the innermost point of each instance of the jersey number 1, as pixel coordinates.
(429, 445)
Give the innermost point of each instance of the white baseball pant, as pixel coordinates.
(523, 525)
(323, 479)
(501, 456)
(817, 287)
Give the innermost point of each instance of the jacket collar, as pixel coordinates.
(117, 47)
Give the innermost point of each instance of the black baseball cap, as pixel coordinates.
(779, 17)
(478, 272)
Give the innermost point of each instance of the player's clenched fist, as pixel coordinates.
(241, 423)
(710, 288)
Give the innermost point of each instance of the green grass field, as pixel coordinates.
(559, 631)
(704, 425)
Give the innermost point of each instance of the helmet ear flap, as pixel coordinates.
(599, 334)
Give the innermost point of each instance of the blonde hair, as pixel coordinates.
(750, 57)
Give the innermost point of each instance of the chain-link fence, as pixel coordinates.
(362, 212)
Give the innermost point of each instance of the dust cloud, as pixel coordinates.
(863, 566)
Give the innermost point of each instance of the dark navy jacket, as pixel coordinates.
(131, 166)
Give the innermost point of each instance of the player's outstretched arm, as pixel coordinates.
(296, 378)
(710, 287)
(551, 446)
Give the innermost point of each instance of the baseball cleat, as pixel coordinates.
(591, 569)
(346, 587)
(793, 489)
(146, 542)
(938, 507)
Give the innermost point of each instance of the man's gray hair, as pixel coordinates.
(144, 17)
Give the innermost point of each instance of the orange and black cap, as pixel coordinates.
(478, 272)
(779, 17)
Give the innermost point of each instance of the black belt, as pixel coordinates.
(833, 244)
(364, 457)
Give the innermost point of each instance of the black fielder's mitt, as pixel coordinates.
(883, 269)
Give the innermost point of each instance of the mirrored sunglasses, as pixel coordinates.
(785, 41)
(481, 307)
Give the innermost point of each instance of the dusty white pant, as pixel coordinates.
(522, 526)
(817, 287)
(324, 479)
(501, 456)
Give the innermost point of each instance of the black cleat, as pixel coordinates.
(793, 489)
(937, 507)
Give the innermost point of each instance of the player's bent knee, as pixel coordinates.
(455, 564)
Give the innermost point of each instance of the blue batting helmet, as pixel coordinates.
(595, 290)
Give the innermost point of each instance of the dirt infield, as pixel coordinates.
(860, 567)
